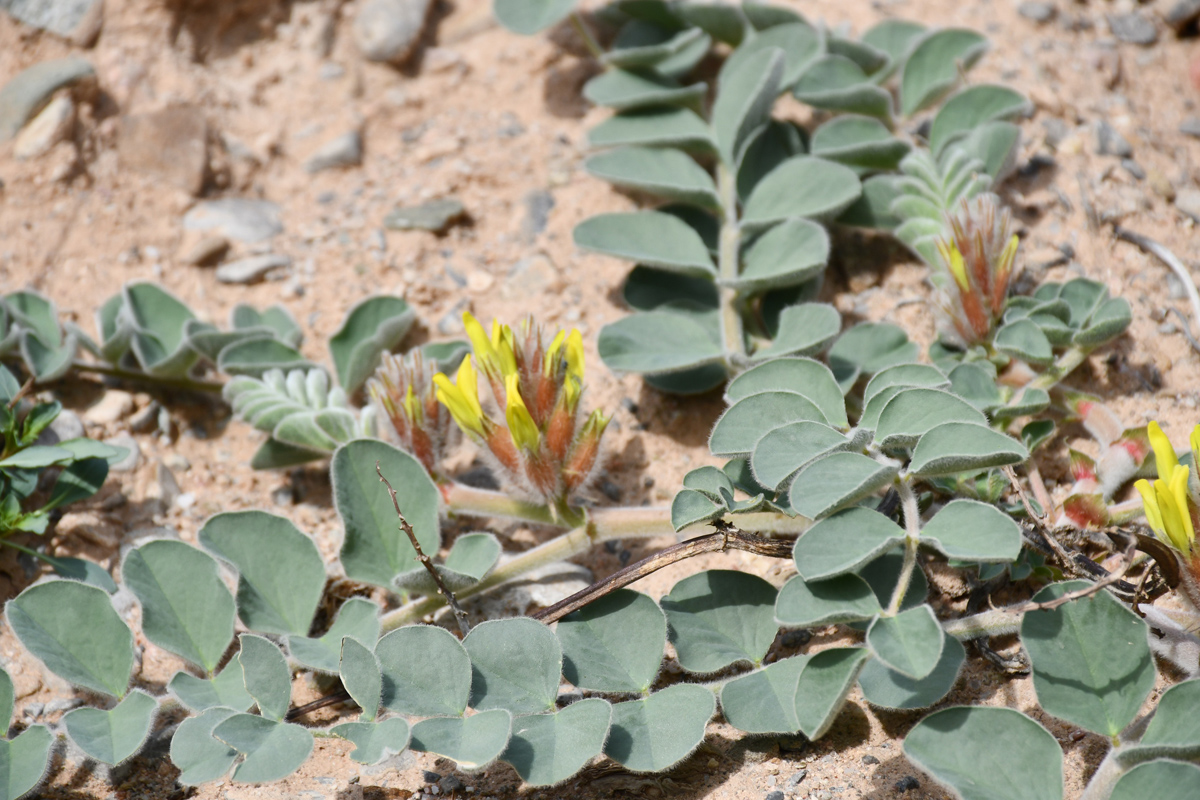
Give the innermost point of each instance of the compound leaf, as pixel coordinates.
(765, 700)
(910, 643)
(887, 688)
(272, 750)
(653, 238)
(844, 542)
(374, 741)
(199, 756)
(227, 689)
(268, 679)
(973, 531)
(806, 604)
(358, 618)
(425, 670)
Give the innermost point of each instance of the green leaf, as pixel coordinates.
(1162, 780)
(268, 679)
(689, 381)
(112, 736)
(799, 375)
(199, 756)
(37, 457)
(725, 23)
(281, 575)
(38, 419)
(549, 748)
(274, 454)
(627, 90)
(904, 375)
(425, 671)
(914, 412)
(653, 127)
(643, 44)
(972, 107)
(45, 362)
(909, 643)
(873, 209)
(656, 732)
(994, 144)
(973, 531)
(647, 237)
(1090, 659)
(665, 173)
(824, 684)
(472, 556)
(360, 673)
(614, 644)
(745, 422)
(788, 254)
(373, 327)
(277, 319)
(374, 741)
(254, 357)
(867, 348)
(1174, 730)
(977, 385)
(690, 507)
(935, 64)
(323, 430)
(658, 342)
(806, 604)
(746, 92)
(23, 760)
(800, 43)
(375, 550)
(783, 451)
(227, 689)
(803, 329)
(77, 481)
(895, 37)
(272, 750)
(836, 481)
(964, 446)
(765, 700)
(528, 17)
(358, 618)
(186, 607)
(36, 314)
(837, 83)
(844, 542)
(90, 647)
(883, 574)
(972, 751)
(1108, 321)
(765, 149)
(83, 447)
(1023, 339)
(887, 688)
(8, 695)
(720, 617)
(859, 142)
(829, 188)
(158, 318)
(9, 385)
(516, 664)
(473, 742)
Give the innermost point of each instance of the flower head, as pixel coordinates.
(403, 392)
(1169, 502)
(977, 258)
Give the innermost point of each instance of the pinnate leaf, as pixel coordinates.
(653, 238)
(837, 481)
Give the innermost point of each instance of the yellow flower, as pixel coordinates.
(412, 406)
(462, 397)
(575, 355)
(1166, 499)
(520, 422)
(954, 261)
(550, 363)
(1164, 454)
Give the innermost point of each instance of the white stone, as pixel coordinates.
(113, 406)
(388, 30)
(47, 129)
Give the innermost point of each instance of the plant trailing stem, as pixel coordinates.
(604, 525)
(186, 384)
(472, 502)
(912, 538)
(993, 622)
(732, 336)
(1065, 365)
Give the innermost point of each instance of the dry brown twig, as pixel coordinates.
(1108, 580)
(459, 614)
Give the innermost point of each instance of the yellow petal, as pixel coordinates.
(1171, 519)
(954, 262)
(1007, 257)
(480, 342)
(465, 412)
(411, 406)
(550, 363)
(1194, 441)
(1150, 506)
(575, 355)
(1164, 454)
(520, 423)
(1179, 481)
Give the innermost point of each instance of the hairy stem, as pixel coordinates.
(1065, 365)
(472, 502)
(732, 336)
(912, 538)
(187, 384)
(993, 622)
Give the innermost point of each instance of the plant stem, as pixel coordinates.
(187, 384)
(993, 622)
(1066, 364)
(585, 33)
(472, 502)
(912, 538)
(604, 525)
(728, 255)
(27, 551)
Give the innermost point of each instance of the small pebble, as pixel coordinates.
(1168, 328)
(795, 780)
(870, 759)
(252, 269)
(344, 151)
(436, 216)
(775, 795)
(134, 457)
(907, 784)
(1111, 143)
(1038, 12)
(1133, 168)
(1182, 14)
(1188, 201)
(1133, 28)
(208, 251)
(113, 406)
(797, 638)
(1191, 127)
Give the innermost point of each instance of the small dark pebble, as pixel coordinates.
(613, 546)
(1182, 14)
(1111, 143)
(479, 478)
(1039, 162)
(611, 490)
(870, 759)
(629, 405)
(430, 777)
(1191, 127)
(907, 784)
(1133, 168)
(450, 783)
(283, 496)
(797, 638)
(775, 795)
(624, 557)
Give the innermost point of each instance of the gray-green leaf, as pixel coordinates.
(549, 748)
(272, 750)
(720, 617)
(115, 735)
(268, 679)
(657, 732)
(425, 671)
(614, 644)
(887, 688)
(647, 237)
(199, 756)
(844, 542)
(473, 742)
(516, 664)
(973, 531)
(805, 604)
(910, 642)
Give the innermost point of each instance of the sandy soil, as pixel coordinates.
(496, 120)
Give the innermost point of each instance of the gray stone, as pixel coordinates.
(907, 784)
(1038, 12)
(1188, 201)
(795, 780)
(388, 30)
(67, 425)
(530, 276)
(344, 151)
(1111, 143)
(1133, 28)
(1182, 14)
(775, 795)
(538, 205)
(30, 90)
(130, 462)
(1056, 131)
(870, 759)
(1190, 126)
(330, 71)
(1133, 168)
(78, 20)
(207, 251)
(451, 322)
(510, 126)
(47, 129)
(252, 269)
(236, 218)
(171, 144)
(145, 420)
(436, 216)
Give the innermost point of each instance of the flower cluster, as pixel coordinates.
(1172, 503)
(977, 259)
(403, 392)
(539, 444)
